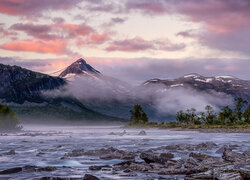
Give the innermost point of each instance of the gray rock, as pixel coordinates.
(75, 153)
(142, 133)
(198, 156)
(232, 156)
(152, 158)
(142, 167)
(11, 170)
(206, 146)
(111, 153)
(191, 163)
(39, 169)
(90, 177)
(95, 168)
(11, 152)
(122, 165)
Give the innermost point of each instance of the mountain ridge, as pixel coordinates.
(23, 90)
(226, 84)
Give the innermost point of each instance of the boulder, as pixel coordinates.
(90, 177)
(198, 156)
(191, 162)
(96, 168)
(111, 153)
(11, 170)
(122, 165)
(75, 153)
(232, 156)
(38, 169)
(11, 152)
(206, 146)
(142, 133)
(149, 157)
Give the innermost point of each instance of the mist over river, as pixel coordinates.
(66, 150)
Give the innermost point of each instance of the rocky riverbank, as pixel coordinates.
(184, 160)
(125, 154)
(181, 160)
(205, 129)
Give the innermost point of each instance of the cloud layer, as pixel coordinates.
(70, 28)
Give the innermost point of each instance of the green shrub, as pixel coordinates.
(8, 119)
(138, 115)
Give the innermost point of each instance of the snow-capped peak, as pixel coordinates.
(79, 67)
(225, 77)
(194, 75)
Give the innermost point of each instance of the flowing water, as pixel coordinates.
(46, 145)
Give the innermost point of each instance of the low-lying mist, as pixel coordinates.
(164, 100)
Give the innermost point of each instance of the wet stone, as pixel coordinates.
(11, 170)
(142, 133)
(11, 152)
(96, 168)
(90, 177)
(149, 157)
(38, 169)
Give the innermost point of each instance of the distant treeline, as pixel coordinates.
(238, 114)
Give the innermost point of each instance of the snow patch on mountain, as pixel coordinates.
(176, 85)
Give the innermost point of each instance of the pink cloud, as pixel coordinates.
(99, 38)
(76, 30)
(53, 31)
(51, 46)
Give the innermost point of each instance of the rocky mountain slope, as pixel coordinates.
(18, 84)
(79, 67)
(225, 84)
(23, 89)
(104, 98)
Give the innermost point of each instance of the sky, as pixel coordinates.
(128, 39)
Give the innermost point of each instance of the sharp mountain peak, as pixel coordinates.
(79, 67)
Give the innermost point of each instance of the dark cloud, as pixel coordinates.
(31, 8)
(114, 21)
(117, 20)
(139, 44)
(58, 20)
(152, 7)
(38, 31)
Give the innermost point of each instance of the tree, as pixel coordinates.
(181, 117)
(8, 119)
(188, 117)
(138, 115)
(239, 106)
(191, 115)
(210, 115)
(246, 114)
(227, 115)
(144, 117)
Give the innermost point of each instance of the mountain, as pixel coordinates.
(24, 91)
(18, 84)
(225, 84)
(79, 67)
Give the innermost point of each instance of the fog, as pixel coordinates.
(165, 101)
